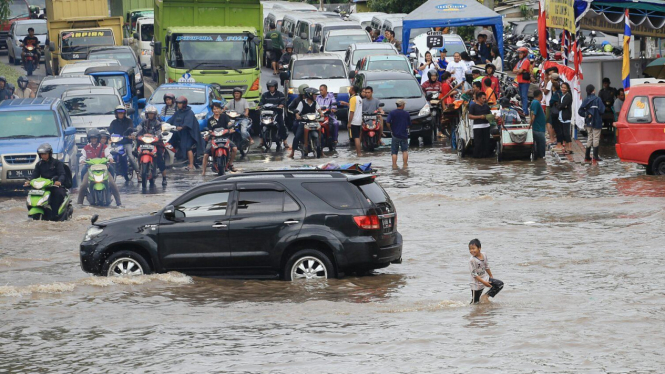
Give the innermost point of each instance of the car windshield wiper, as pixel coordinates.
(215, 65)
(308, 77)
(336, 77)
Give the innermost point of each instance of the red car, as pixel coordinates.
(18, 10)
(641, 128)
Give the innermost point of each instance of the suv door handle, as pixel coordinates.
(290, 222)
(219, 225)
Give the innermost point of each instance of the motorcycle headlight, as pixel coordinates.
(43, 200)
(59, 156)
(38, 185)
(137, 77)
(266, 120)
(200, 116)
(99, 178)
(92, 232)
(425, 111)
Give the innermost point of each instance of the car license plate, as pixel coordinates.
(387, 223)
(18, 174)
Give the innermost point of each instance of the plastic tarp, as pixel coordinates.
(452, 13)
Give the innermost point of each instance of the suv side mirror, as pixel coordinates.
(70, 131)
(172, 214)
(158, 48)
(51, 46)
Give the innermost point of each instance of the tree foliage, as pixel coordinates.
(4, 10)
(395, 6)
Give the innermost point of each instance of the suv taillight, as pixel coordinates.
(367, 222)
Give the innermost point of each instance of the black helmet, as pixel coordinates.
(11, 87)
(181, 99)
(311, 92)
(104, 134)
(45, 148)
(3, 79)
(169, 96)
(272, 82)
(237, 89)
(94, 133)
(289, 45)
(432, 73)
(22, 81)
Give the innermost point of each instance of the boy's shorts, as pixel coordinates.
(398, 143)
(355, 131)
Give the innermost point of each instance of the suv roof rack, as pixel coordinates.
(289, 171)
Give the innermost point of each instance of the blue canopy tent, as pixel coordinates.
(452, 13)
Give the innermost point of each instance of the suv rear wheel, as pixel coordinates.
(308, 264)
(125, 263)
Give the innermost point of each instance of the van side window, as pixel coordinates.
(302, 28)
(659, 108)
(640, 110)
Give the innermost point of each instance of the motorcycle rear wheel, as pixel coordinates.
(145, 172)
(221, 165)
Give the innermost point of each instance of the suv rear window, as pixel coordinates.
(640, 111)
(338, 195)
(374, 192)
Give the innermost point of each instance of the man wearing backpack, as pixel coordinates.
(592, 110)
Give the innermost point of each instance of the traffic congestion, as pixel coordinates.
(216, 186)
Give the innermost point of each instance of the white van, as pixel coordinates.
(365, 18)
(143, 38)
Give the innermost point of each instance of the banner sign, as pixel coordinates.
(560, 14)
(591, 21)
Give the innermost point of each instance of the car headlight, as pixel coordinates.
(137, 77)
(424, 111)
(200, 116)
(59, 156)
(146, 52)
(92, 232)
(290, 91)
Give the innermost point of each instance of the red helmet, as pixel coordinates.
(522, 50)
(558, 56)
(181, 99)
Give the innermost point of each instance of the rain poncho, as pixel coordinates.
(190, 134)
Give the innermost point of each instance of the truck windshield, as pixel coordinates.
(319, 69)
(195, 96)
(342, 42)
(77, 41)
(147, 31)
(18, 9)
(91, 105)
(28, 124)
(119, 82)
(211, 51)
(22, 28)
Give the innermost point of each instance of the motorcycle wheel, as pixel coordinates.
(267, 139)
(37, 217)
(221, 165)
(145, 172)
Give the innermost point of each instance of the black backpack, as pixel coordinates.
(68, 183)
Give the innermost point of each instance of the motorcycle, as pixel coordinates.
(311, 122)
(99, 192)
(242, 144)
(30, 59)
(269, 128)
(147, 151)
(38, 201)
(170, 150)
(120, 157)
(220, 147)
(326, 133)
(370, 136)
(436, 110)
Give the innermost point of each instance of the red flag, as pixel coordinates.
(577, 58)
(542, 30)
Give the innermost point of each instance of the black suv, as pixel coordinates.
(286, 224)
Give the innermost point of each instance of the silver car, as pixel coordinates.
(18, 31)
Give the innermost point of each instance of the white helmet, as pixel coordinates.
(150, 109)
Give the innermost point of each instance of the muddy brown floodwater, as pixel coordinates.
(580, 249)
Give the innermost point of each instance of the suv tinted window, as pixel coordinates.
(639, 111)
(338, 195)
(374, 192)
(256, 202)
(210, 204)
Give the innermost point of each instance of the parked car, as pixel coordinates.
(200, 97)
(364, 18)
(338, 41)
(89, 108)
(323, 27)
(452, 42)
(53, 87)
(27, 123)
(18, 10)
(18, 31)
(291, 225)
(120, 78)
(145, 30)
(392, 85)
(317, 69)
(127, 58)
(641, 128)
(79, 67)
(358, 51)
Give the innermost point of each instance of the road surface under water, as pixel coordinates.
(579, 248)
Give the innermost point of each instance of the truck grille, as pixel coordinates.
(20, 159)
(228, 90)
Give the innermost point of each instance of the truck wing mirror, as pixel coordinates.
(51, 46)
(158, 48)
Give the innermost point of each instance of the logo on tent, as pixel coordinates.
(451, 7)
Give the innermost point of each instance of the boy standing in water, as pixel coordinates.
(481, 275)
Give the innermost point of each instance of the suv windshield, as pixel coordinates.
(400, 65)
(116, 81)
(342, 42)
(77, 41)
(125, 58)
(28, 124)
(56, 90)
(319, 69)
(91, 105)
(396, 89)
(212, 51)
(22, 28)
(195, 96)
(359, 54)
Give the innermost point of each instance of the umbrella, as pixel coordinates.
(656, 68)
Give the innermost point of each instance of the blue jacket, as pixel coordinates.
(592, 110)
(190, 133)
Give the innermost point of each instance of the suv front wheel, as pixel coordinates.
(308, 264)
(125, 263)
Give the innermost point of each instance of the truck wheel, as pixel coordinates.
(308, 264)
(658, 165)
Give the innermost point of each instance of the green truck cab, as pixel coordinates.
(130, 11)
(209, 41)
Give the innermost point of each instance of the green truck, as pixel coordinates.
(209, 41)
(130, 11)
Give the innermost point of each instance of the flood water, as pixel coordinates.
(579, 247)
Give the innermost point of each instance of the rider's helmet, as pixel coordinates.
(432, 73)
(311, 92)
(3, 79)
(45, 148)
(272, 83)
(11, 88)
(150, 109)
(181, 99)
(169, 95)
(22, 82)
(302, 88)
(237, 89)
(523, 50)
(119, 109)
(289, 45)
(94, 133)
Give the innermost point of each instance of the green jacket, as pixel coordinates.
(276, 38)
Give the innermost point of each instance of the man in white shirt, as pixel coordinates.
(457, 68)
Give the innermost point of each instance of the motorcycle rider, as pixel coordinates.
(272, 96)
(23, 92)
(371, 105)
(30, 39)
(285, 60)
(152, 125)
(94, 149)
(104, 137)
(50, 168)
(239, 104)
(219, 120)
(169, 107)
(327, 99)
(307, 106)
(191, 141)
(5, 94)
(122, 125)
(432, 84)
